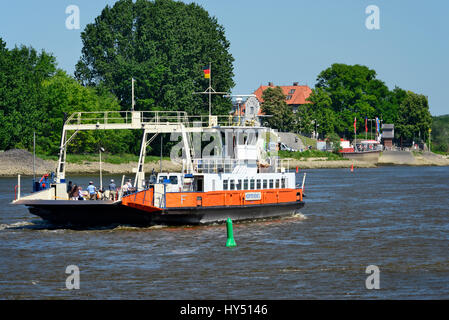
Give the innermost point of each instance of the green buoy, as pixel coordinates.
(230, 242)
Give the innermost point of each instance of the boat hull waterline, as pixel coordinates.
(96, 213)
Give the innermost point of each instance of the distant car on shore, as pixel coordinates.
(283, 146)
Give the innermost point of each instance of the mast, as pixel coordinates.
(160, 162)
(34, 157)
(210, 91)
(101, 173)
(132, 94)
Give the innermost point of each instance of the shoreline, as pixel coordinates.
(15, 162)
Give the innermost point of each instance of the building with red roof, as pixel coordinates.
(295, 96)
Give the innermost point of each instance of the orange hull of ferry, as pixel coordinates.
(213, 198)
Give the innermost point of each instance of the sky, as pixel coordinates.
(281, 41)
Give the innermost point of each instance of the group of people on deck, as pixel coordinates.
(76, 192)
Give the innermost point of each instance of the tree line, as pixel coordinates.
(440, 134)
(163, 44)
(35, 95)
(343, 93)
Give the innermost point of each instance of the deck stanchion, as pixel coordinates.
(121, 188)
(18, 187)
(303, 181)
(230, 242)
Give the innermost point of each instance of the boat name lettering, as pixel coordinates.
(252, 196)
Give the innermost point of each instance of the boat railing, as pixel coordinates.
(364, 147)
(226, 165)
(147, 117)
(275, 165)
(282, 164)
(126, 117)
(219, 165)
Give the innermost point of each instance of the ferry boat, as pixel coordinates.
(243, 182)
(365, 150)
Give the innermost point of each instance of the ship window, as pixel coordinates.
(251, 184)
(258, 184)
(283, 183)
(239, 184)
(277, 183)
(271, 183)
(162, 178)
(232, 185)
(225, 184)
(245, 184)
(265, 183)
(173, 180)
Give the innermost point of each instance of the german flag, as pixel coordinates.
(206, 71)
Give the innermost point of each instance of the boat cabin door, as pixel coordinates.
(198, 183)
(159, 195)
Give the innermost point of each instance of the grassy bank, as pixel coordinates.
(307, 141)
(330, 156)
(106, 158)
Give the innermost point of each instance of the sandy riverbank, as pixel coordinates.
(393, 158)
(14, 162)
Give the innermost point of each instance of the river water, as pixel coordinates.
(396, 218)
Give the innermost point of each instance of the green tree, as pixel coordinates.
(440, 133)
(304, 119)
(344, 92)
(34, 96)
(63, 94)
(413, 117)
(335, 140)
(389, 107)
(162, 44)
(22, 72)
(324, 119)
(280, 114)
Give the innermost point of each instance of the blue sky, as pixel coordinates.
(282, 41)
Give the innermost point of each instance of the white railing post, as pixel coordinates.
(18, 187)
(303, 181)
(120, 193)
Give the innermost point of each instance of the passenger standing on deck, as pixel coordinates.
(69, 187)
(112, 190)
(153, 177)
(74, 193)
(92, 191)
(130, 186)
(80, 194)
